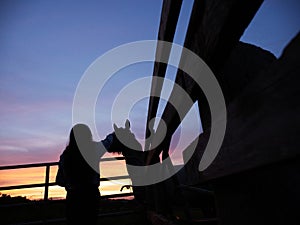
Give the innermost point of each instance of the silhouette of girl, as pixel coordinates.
(81, 180)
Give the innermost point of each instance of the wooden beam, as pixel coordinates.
(215, 28)
(168, 22)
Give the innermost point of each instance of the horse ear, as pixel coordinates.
(115, 127)
(127, 124)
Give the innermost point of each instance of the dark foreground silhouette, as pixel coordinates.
(79, 169)
(125, 143)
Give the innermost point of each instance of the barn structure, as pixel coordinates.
(254, 179)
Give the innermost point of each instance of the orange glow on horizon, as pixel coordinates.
(37, 175)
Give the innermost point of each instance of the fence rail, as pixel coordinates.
(47, 183)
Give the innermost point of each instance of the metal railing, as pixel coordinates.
(47, 183)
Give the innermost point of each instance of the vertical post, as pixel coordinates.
(47, 182)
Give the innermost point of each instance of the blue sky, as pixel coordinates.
(45, 47)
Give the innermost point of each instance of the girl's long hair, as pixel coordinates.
(80, 135)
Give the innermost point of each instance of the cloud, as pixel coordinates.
(12, 148)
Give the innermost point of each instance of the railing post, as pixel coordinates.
(47, 182)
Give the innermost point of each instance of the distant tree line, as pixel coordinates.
(7, 199)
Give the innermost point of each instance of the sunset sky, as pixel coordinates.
(46, 46)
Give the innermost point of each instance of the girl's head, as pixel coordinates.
(80, 135)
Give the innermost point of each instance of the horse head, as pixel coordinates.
(125, 143)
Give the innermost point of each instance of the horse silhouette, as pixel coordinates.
(125, 143)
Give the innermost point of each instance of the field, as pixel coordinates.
(22, 211)
(52, 212)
